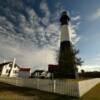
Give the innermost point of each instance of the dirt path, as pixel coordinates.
(9, 92)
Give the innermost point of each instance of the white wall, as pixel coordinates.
(65, 35)
(24, 74)
(66, 87)
(56, 86)
(86, 85)
(13, 73)
(6, 67)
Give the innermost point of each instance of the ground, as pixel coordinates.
(93, 94)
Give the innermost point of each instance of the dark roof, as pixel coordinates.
(24, 69)
(2, 64)
(40, 71)
(37, 71)
(52, 68)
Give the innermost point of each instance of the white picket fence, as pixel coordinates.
(66, 87)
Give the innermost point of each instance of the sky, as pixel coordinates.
(30, 31)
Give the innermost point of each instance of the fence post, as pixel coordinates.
(54, 86)
(38, 83)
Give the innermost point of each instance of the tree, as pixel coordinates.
(78, 60)
(68, 61)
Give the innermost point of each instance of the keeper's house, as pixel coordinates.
(9, 69)
(24, 72)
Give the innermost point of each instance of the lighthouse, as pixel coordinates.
(67, 68)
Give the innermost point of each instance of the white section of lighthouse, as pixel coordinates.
(65, 36)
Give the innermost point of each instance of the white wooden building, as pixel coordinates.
(9, 69)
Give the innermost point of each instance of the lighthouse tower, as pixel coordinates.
(66, 59)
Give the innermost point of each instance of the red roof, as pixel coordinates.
(52, 68)
(51, 65)
(24, 69)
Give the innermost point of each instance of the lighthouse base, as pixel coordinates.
(67, 67)
(65, 72)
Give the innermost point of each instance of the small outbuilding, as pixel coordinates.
(24, 72)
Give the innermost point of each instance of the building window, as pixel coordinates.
(10, 65)
(15, 66)
(7, 71)
(15, 71)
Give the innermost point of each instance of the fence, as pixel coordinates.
(66, 87)
(86, 85)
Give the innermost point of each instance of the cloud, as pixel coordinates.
(44, 7)
(26, 54)
(91, 63)
(28, 57)
(75, 18)
(95, 15)
(27, 36)
(59, 9)
(30, 28)
(72, 30)
(89, 68)
(23, 37)
(95, 60)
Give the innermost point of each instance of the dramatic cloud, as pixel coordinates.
(26, 36)
(27, 56)
(29, 36)
(44, 8)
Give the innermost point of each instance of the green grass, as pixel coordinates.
(10, 92)
(93, 94)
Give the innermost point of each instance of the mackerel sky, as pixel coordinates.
(30, 31)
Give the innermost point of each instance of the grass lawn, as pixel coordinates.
(93, 94)
(10, 92)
